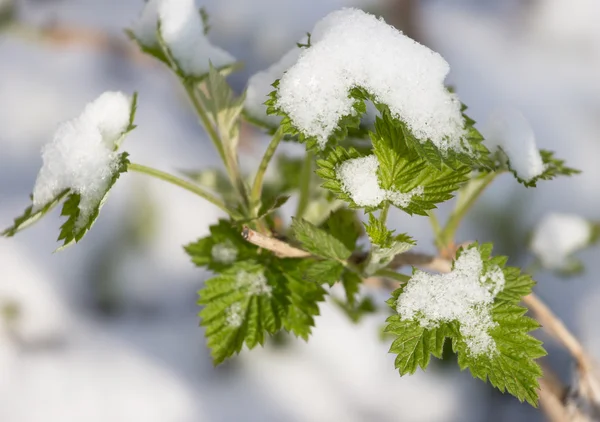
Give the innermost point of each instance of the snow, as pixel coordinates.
(358, 177)
(558, 236)
(234, 316)
(256, 282)
(398, 71)
(401, 199)
(182, 30)
(465, 295)
(259, 88)
(225, 252)
(146, 26)
(509, 131)
(82, 154)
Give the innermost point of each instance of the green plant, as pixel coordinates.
(270, 275)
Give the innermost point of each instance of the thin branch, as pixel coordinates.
(257, 186)
(421, 260)
(555, 327)
(278, 247)
(189, 186)
(58, 35)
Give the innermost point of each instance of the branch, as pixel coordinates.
(589, 384)
(59, 35)
(278, 247)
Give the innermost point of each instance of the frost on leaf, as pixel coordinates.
(255, 283)
(224, 253)
(557, 237)
(358, 177)
(234, 315)
(182, 31)
(251, 300)
(351, 49)
(465, 295)
(82, 162)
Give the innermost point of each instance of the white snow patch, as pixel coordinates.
(358, 177)
(81, 156)
(259, 87)
(233, 315)
(351, 48)
(146, 26)
(256, 282)
(182, 30)
(511, 132)
(401, 199)
(225, 252)
(465, 295)
(558, 236)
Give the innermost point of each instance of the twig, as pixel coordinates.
(554, 326)
(64, 36)
(278, 247)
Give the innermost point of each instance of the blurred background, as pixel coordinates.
(107, 330)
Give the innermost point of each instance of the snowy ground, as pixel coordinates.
(66, 361)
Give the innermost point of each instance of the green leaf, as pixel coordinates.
(242, 305)
(510, 366)
(77, 225)
(252, 300)
(272, 205)
(304, 298)
(222, 248)
(30, 217)
(223, 106)
(402, 169)
(344, 225)
(381, 257)
(412, 181)
(324, 272)
(385, 246)
(414, 344)
(359, 310)
(351, 282)
(473, 152)
(553, 167)
(154, 51)
(318, 242)
(346, 123)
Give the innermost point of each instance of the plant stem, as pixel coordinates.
(278, 247)
(228, 157)
(384, 213)
(391, 274)
(167, 177)
(204, 120)
(435, 223)
(262, 168)
(467, 197)
(305, 179)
